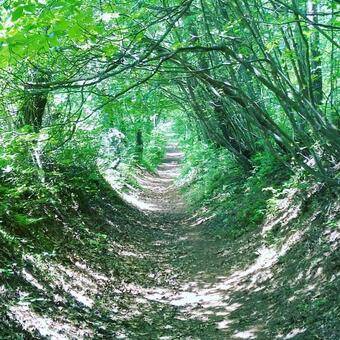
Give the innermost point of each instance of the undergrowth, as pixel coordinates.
(238, 199)
(270, 214)
(154, 151)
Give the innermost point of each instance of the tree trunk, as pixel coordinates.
(316, 67)
(139, 145)
(34, 104)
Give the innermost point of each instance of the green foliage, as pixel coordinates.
(239, 199)
(26, 220)
(251, 88)
(154, 151)
(81, 151)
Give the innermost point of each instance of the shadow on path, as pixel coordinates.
(236, 289)
(153, 272)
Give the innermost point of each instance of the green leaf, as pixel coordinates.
(25, 220)
(17, 13)
(4, 56)
(110, 50)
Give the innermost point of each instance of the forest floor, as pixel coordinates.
(227, 289)
(153, 271)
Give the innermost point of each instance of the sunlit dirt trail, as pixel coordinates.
(155, 269)
(216, 288)
(199, 281)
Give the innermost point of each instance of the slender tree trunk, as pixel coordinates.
(34, 104)
(139, 145)
(316, 67)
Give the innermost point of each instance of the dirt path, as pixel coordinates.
(160, 272)
(147, 273)
(193, 277)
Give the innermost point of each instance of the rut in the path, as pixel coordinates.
(199, 281)
(219, 288)
(160, 272)
(160, 191)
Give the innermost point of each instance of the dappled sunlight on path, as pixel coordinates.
(154, 270)
(159, 192)
(201, 283)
